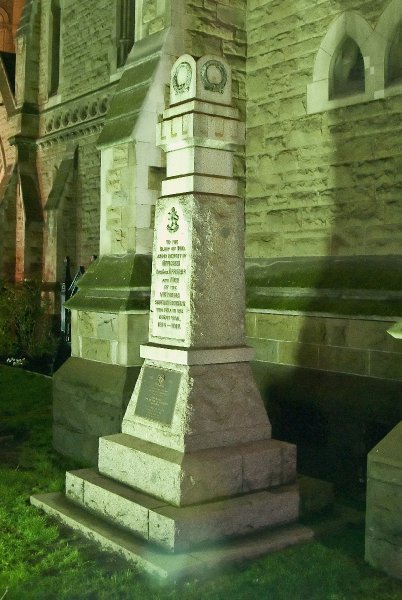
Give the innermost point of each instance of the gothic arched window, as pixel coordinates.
(125, 29)
(54, 47)
(393, 69)
(6, 39)
(347, 70)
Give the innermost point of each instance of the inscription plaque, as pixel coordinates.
(157, 395)
(171, 273)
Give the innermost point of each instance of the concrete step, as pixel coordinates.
(155, 560)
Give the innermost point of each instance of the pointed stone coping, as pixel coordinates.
(180, 529)
(163, 564)
(116, 283)
(196, 356)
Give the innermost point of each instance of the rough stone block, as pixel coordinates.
(387, 365)
(199, 160)
(293, 353)
(316, 495)
(164, 564)
(180, 529)
(265, 350)
(98, 350)
(383, 510)
(79, 445)
(89, 400)
(346, 360)
(214, 405)
(86, 324)
(178, 478)
(203, 184)
(267, 464)
(107, 326)
(184, 479)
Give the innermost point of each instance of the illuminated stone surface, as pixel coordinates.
(195, 450)
(384, 501)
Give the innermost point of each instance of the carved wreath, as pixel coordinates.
(182, 78)
(212, 86)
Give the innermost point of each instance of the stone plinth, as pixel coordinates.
(194, 465)
(180, 529)
(384, 502)
(91, 390)
(157, 561)
(194, 477)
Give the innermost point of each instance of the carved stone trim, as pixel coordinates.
(214, 86)
(62, 118)
(71, 134)
(182, 78)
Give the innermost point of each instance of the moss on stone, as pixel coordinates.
(356, 285)
(114, 283)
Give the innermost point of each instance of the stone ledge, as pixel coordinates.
(176, 528)
(190, 478)
(202, 184)
(161, 563)
(202, 356)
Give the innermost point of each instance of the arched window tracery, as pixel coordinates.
(54, 47)
(125, 29)
(394, 58)
(347, 70)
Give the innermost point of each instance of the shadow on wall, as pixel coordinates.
(347, 393)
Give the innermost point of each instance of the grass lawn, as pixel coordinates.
(40, 560)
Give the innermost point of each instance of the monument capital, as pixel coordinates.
(208, 78)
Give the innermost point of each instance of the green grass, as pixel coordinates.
(39, 560)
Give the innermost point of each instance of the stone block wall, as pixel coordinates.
(87, 36)
(317, 184)
(69, 124)
(152, 16)
(339, 344)
(7, 197)
(8, 219)
(109, 338)
(219, 27)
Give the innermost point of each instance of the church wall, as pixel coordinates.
(317, 184)
(70, 121)
(321, 184)
(217, 27)
(87, 48)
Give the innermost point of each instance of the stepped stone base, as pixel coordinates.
(158, 561)
(189, 478)
(179, 529)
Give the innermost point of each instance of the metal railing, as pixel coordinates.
(68, 288)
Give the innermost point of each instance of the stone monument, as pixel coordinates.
(383, 543)
(194, 478)
(383, 547)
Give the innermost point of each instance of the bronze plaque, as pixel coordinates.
(157, 394)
